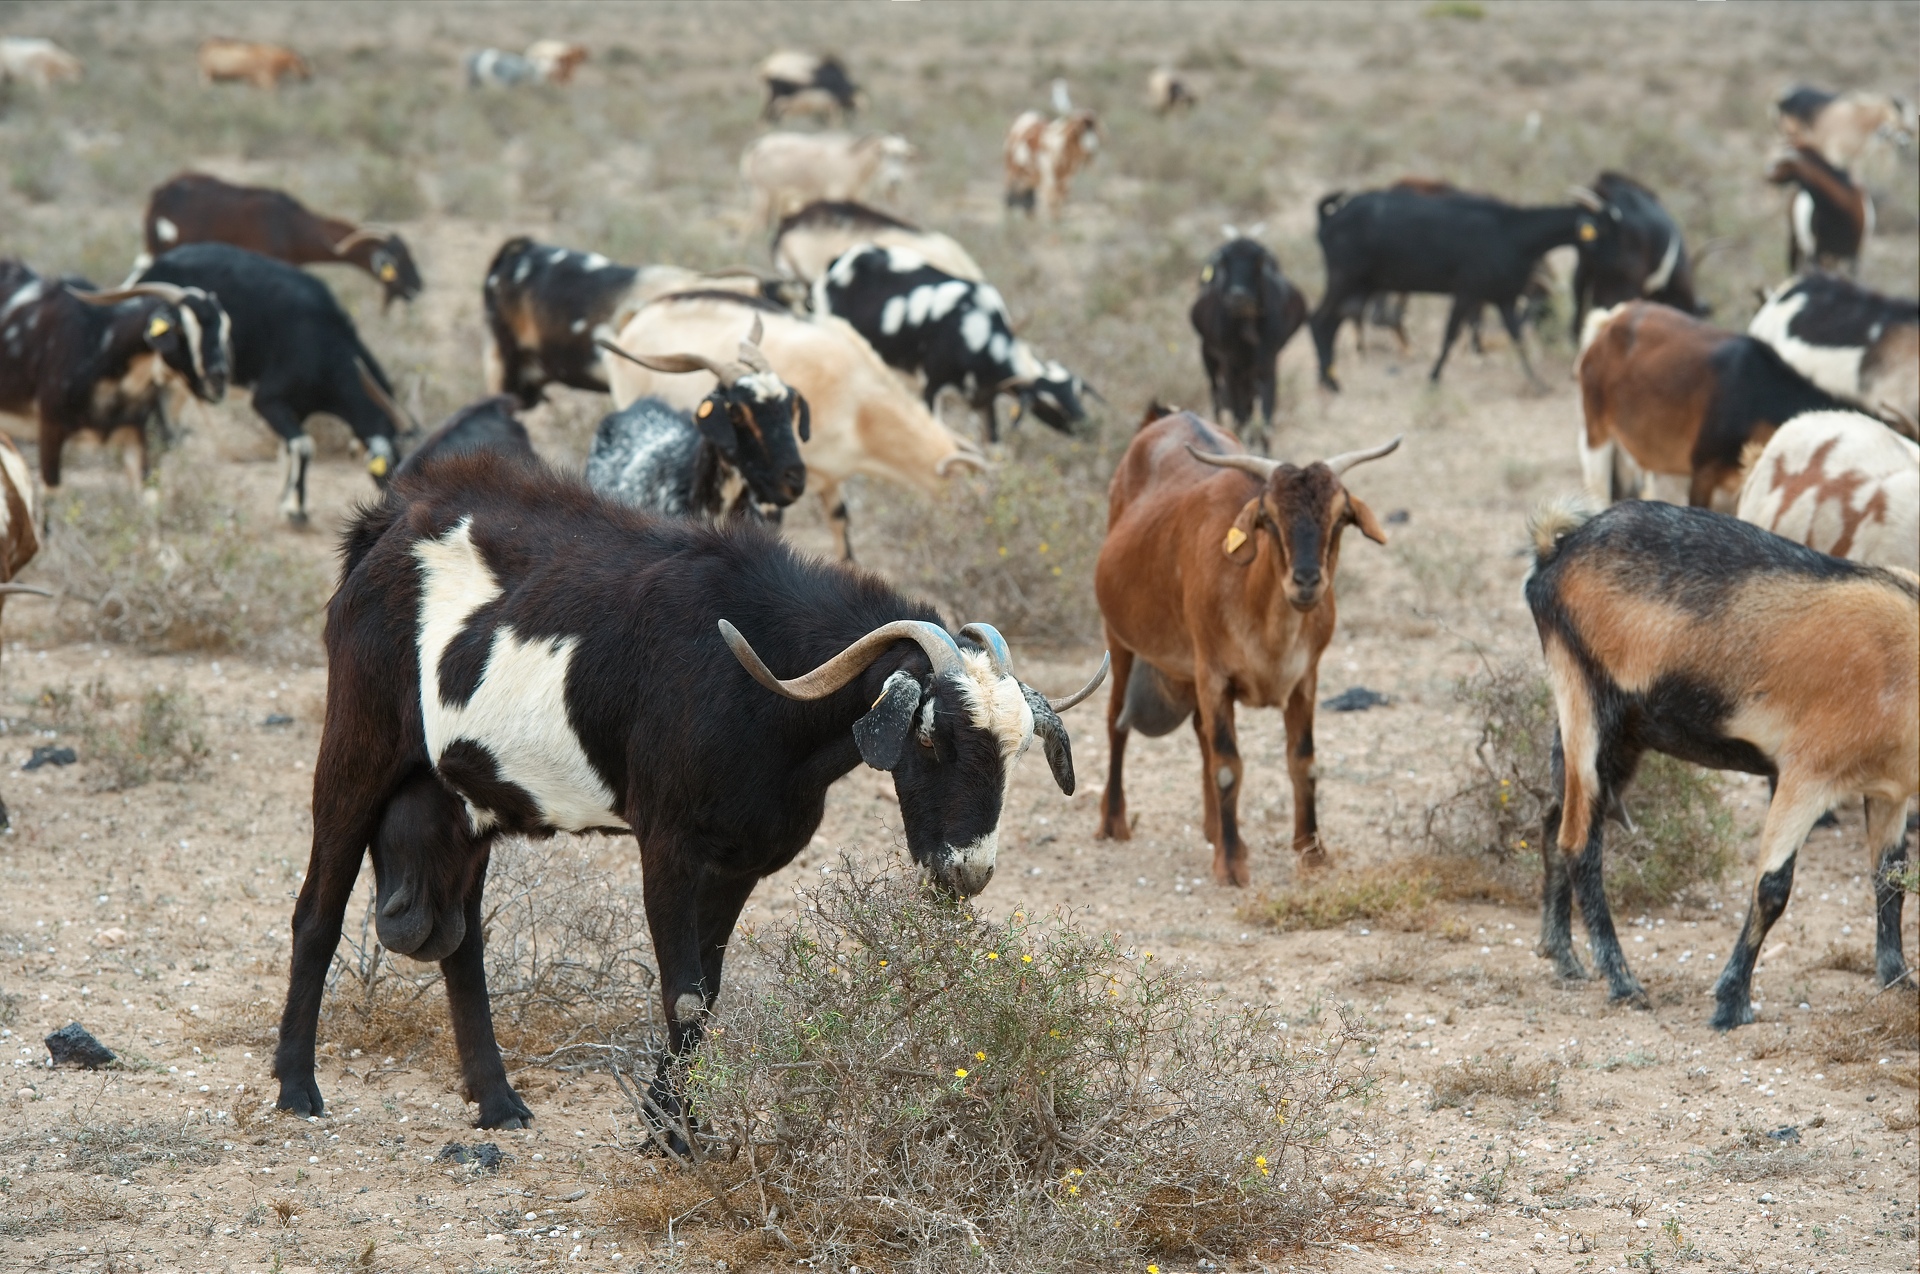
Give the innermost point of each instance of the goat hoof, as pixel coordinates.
(1726, 1016)
(297, 521)
(1633, 997)
(301, 1097)
(504, 1111)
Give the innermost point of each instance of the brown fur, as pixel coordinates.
(261, 65)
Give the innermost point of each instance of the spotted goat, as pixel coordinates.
(1842, 483)
(1851, 341)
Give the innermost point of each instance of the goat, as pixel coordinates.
(38, 62)
(1848, 340)
(299, 353)
(556, 60)
(19, 535)
(810, 240)
(1842, 483)
(1644, 256)
(1042, 156)
(197, 208)
(1839, 126)
(1245, 314)
(1167, 92)
(1475, 249)
(485, 426)
(1216, 586)
(544, 62)
(863, 419)
(787, 171)
(1685, 632)
(1829, 217)
(955, 332)
(1680, 397)
(74, 360)
(734, 454)
(261, 65)
(807, 84)
(508, 653)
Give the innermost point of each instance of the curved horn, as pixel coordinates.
(6, 589)
(989, 636)
(1347, 459)
(942, 651)
(977, 463)
(402, 422)
(354, 239)
(1586, 198)
(169, 292)
(1100, 675)
(675, 364)
(750, 349)
(1899, 421)
(1259, 466)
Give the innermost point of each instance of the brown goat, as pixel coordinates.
(1681, 397)
(1042, 155)
(261, 65)
(1216, 584)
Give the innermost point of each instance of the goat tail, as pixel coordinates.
(1330, 204)
(1553, 522)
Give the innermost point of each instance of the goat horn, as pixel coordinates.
(750, 349)
(170, 292)
(676, 364)
(354, 239)
(1587, 198)
(6, 589)
(402, 422)
(1899, 421)
(942, 651)
(1099, 675)
(1259, 466)
(976, 462)
(989, 636)
(1347, 459)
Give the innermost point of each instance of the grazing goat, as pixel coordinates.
(1689, 633)
(787, 171)
(807, 84)
(73, 360)
(508, 653)
(1167, 92)
(1839, 126)
(544, 62)
(954, 332)
(1216, 585)
(1245, 314)
(1829, 217)
(1680, 397)
(733, 455)
(1643, 256)
(1847, 339)
(299, 353)
(810, 240)
(196, 208)
(1477, 250)
(863, 419)
(261, 65)
(41, 63)
(1842, 483)
(1042, 156)
(488, 425)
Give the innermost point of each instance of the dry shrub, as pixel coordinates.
(1401, 895)
(1754, 1156)
(1871, 1027)
(1682, 832)
(915, 1087)
(128, 743)
(1459, 1084)
(64, 1207)
(118, 1150)
(1845, 958)
(189, 573)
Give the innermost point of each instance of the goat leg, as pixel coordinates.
(484, 1074)
(1456, 319)
(1590, 886)
(1301, 770)
(1556, 895)
(1887, 835)
(1113, 801)
(1796, 804)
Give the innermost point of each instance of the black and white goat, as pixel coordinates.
(299, 353)
(734, 455)
(74, 360)
(954, 332)
(1686, 632)
(1830, 216)
(510, 653)
(1849, 340)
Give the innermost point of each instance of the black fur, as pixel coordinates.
(1617, 266)
(488, 425)
(1245, 314)
(566, 298)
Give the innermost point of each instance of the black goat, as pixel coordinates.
(1477, 250)
(953, 331)
(1830, 216)
(582, 671)
(76, 361)
(488, 425)
(1245, 314)
(807, 83)
(732, 454)
(1644, 255)
(299, 353)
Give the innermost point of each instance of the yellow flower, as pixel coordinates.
(1019, 915)
(1075, 1172)
(1146, 955)
(1026, 959)
(883, 964)
(1259, 1161)
(1056, 570)
(1003, 550)
(979, 1057)
(1153, 1269)
(1055, 1034)
(1266, 1172)
(1043, 546)
(1073, 1189)
(961, 1073)
(993, 955)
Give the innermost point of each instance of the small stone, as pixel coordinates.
(1355, 699)
(51, 754)
(276, 719)
(73, 1043)
(484, 1155)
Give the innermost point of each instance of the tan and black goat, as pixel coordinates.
(1682, 631)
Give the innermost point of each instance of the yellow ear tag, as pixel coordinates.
(1013, 413)
(386, 273)
(159, 327)
(1235, 538)
(377, 466)
(1206, 275)
(706, 408)
(1588, 234)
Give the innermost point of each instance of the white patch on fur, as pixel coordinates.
(987, 297)
(556, 256)
(997, 347)
(934, 301)
(996, 704)
(165, 231)
(974, 862)
(687, 1006)
(1664, 273)
(518, 712)
(905, 260)
(190, 333)
(1834, 368)
(892, 315)
(1803, 223)
(1024, 364)
(1596, 464)
(764, 386)
(24, 296)
(976, 329)
(594, 261)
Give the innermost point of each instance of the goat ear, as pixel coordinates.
(1238, 545)
(1363, 518)
(715, 423)
(1052, 733)
(805, 428)
(881, 735)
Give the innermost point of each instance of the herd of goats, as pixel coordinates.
(514, 650)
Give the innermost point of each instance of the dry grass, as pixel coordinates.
(1535, 1082)
(915, 1087)
(128, 743)
(1402, 895)
(1845, 958)
(1870, 1027)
